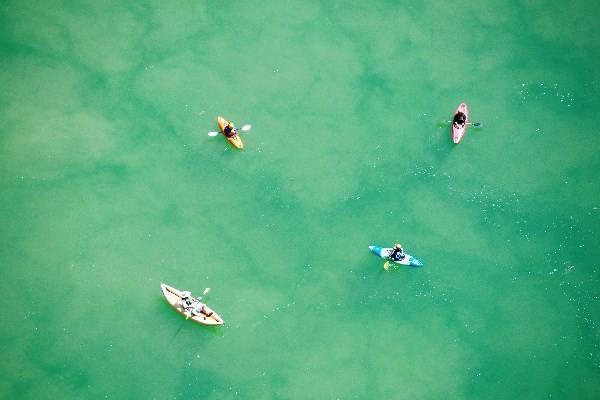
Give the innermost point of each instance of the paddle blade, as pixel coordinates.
(213, 134)
(206, 291)
(477, 124)
(246, 128)
(443, 124)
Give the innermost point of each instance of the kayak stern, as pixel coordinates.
(413, 262)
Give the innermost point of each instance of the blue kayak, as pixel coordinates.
(384, 252)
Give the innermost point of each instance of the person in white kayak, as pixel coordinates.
(199, 308)
(186, 300)
(193, 306)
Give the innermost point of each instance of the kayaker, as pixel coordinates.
(397, 253)
(230, 130)
(186, 300)
(199, 307)
(459, 119)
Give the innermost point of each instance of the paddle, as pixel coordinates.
(468, 123)
(444, 124)
(244, 128)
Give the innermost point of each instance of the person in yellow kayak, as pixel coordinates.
(459, 119)
(397, 254)
(230, 130)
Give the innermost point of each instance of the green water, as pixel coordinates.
(111, 185)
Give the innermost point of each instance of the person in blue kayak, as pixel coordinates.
(459, 119)
(397, 253)
(230, 130)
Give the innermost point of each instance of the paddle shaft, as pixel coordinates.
(469, 123)
(244, 128)
(195, 299)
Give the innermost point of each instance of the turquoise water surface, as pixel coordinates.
(111, 185)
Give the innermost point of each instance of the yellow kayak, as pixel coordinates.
(206, 317)
(234, 139)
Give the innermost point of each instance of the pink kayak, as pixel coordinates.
(459, 131)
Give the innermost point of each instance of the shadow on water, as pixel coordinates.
(441, 141)
(177, 332)
(212, 329)
(446, 133)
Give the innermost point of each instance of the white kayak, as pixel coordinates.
(206, 316)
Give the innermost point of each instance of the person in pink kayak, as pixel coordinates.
(460, 119)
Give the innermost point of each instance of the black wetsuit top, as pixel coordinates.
(397, 255)
(459, 119)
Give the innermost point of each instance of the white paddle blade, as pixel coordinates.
(213, 134)
(206, 291)
(246, 128)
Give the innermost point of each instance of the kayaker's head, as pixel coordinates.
(398, 246)
(185, 294)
